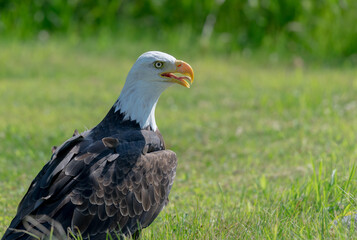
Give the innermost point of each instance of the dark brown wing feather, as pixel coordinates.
(99, 189)
(126, 203)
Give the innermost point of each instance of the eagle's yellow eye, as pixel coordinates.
(158, 64)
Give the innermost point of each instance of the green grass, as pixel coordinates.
(266, 151)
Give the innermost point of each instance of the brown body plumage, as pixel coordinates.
(98, 189)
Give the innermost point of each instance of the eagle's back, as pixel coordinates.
(94, 186)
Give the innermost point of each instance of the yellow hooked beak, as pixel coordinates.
(184, 73)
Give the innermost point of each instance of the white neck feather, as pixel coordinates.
(138, 100)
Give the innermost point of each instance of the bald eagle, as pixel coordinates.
(115, 178)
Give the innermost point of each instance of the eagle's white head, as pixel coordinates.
(150, 75)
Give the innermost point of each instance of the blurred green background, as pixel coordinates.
(317, 29)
